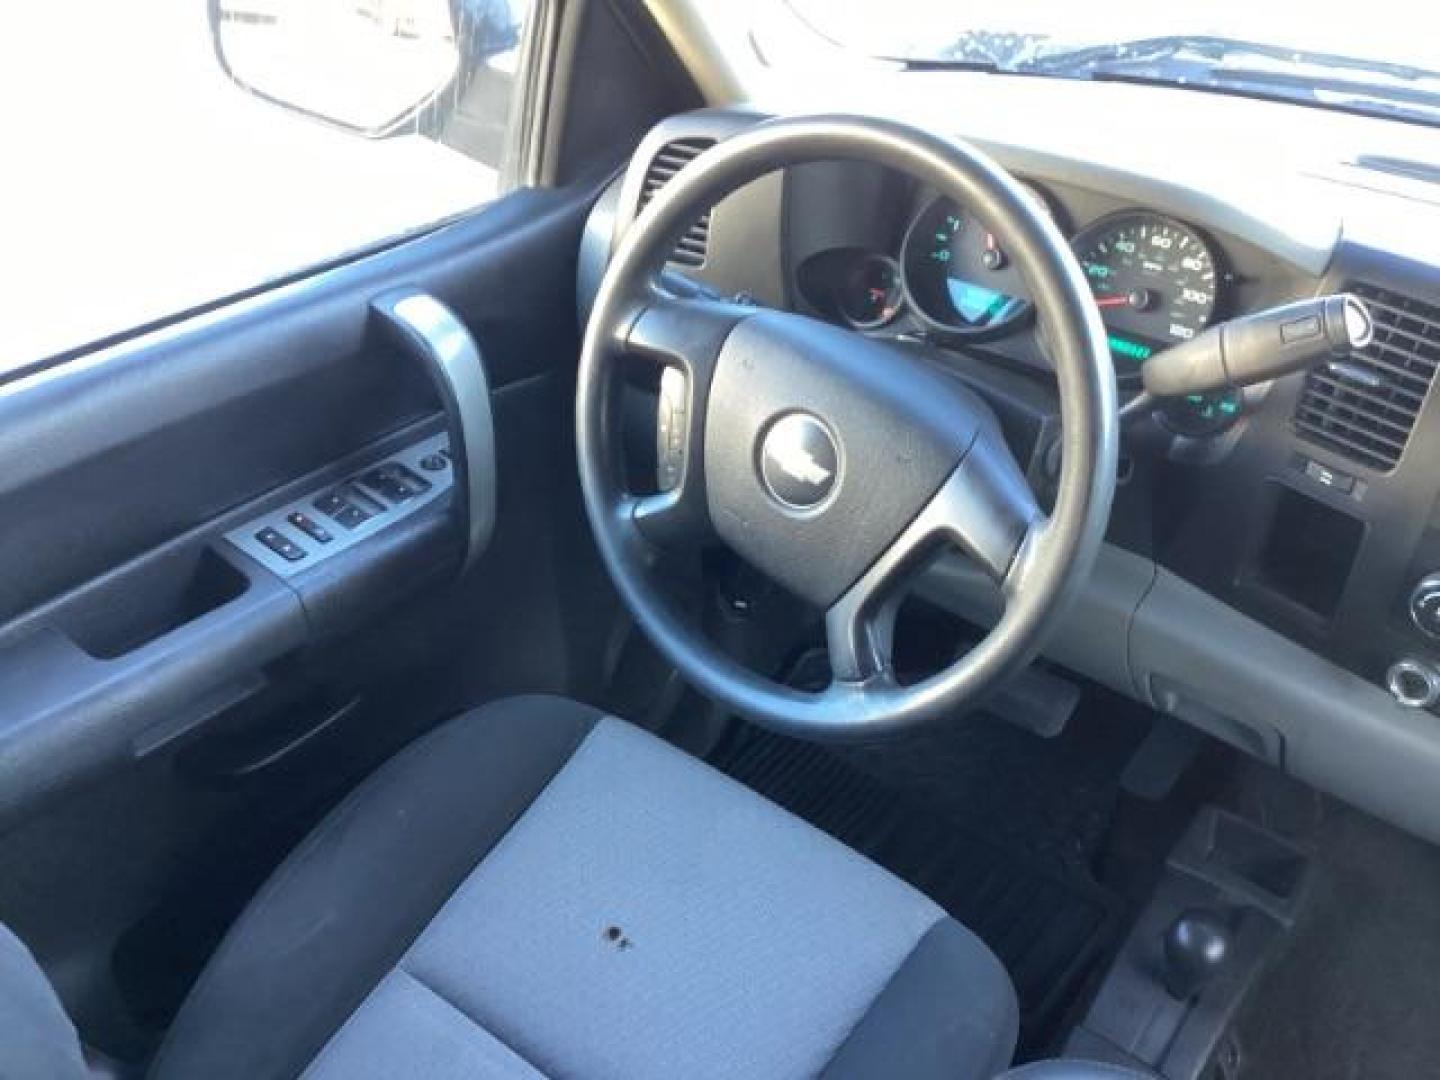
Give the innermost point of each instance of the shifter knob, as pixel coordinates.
(1196, 945)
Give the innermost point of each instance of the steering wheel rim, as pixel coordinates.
(1051, 557)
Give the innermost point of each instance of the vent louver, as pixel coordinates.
(671, 158)
(1367, 408)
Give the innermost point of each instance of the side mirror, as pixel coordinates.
(368, 66)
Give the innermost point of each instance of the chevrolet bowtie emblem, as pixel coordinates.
(799, 459)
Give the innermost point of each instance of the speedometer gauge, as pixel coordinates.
(1155, 282)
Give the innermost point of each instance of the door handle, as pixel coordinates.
(431, 333)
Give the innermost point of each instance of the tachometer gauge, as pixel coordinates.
(1154, 279)
(868, 292)
(958, 275)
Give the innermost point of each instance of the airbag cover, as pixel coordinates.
(899, 428)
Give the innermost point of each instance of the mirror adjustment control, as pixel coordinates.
(281, 544)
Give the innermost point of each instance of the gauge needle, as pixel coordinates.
(1117, 300)
(992, 258)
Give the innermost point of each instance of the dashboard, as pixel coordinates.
(1271, 564)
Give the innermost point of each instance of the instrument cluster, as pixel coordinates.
(1156, 280)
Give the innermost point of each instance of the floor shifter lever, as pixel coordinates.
(1196, 945)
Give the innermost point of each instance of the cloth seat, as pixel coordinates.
(538, 890)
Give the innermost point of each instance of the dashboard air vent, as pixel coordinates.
(1366, 407)
(671, 158)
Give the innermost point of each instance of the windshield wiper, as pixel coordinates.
(1206, 62)
(1205, 49)
(924, 63)
(978, 50)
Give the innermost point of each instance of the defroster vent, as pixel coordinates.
(1365, 408)
(671, 158)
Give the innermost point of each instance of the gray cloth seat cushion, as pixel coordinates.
(37, 1039)
(1075, 1069)
(535, 889)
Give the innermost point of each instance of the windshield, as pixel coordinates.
(1322, 53)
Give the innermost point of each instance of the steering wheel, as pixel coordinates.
(836, 464)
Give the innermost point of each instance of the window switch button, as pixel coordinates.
(331, 503)
(337, 506)
(351, 516)
(309, 526)
(280, 544)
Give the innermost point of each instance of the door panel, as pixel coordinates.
(128, 626)
(191, 421)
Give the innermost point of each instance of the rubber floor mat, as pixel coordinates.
(1047, 930)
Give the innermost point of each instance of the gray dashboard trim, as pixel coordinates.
(1092, 638)
(1144, 632)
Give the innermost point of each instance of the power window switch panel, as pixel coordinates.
(281, 544)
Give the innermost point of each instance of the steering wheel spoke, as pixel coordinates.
(684, 336)
(987, 510)
(860, 633)
(672, 519)
(682, 332)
